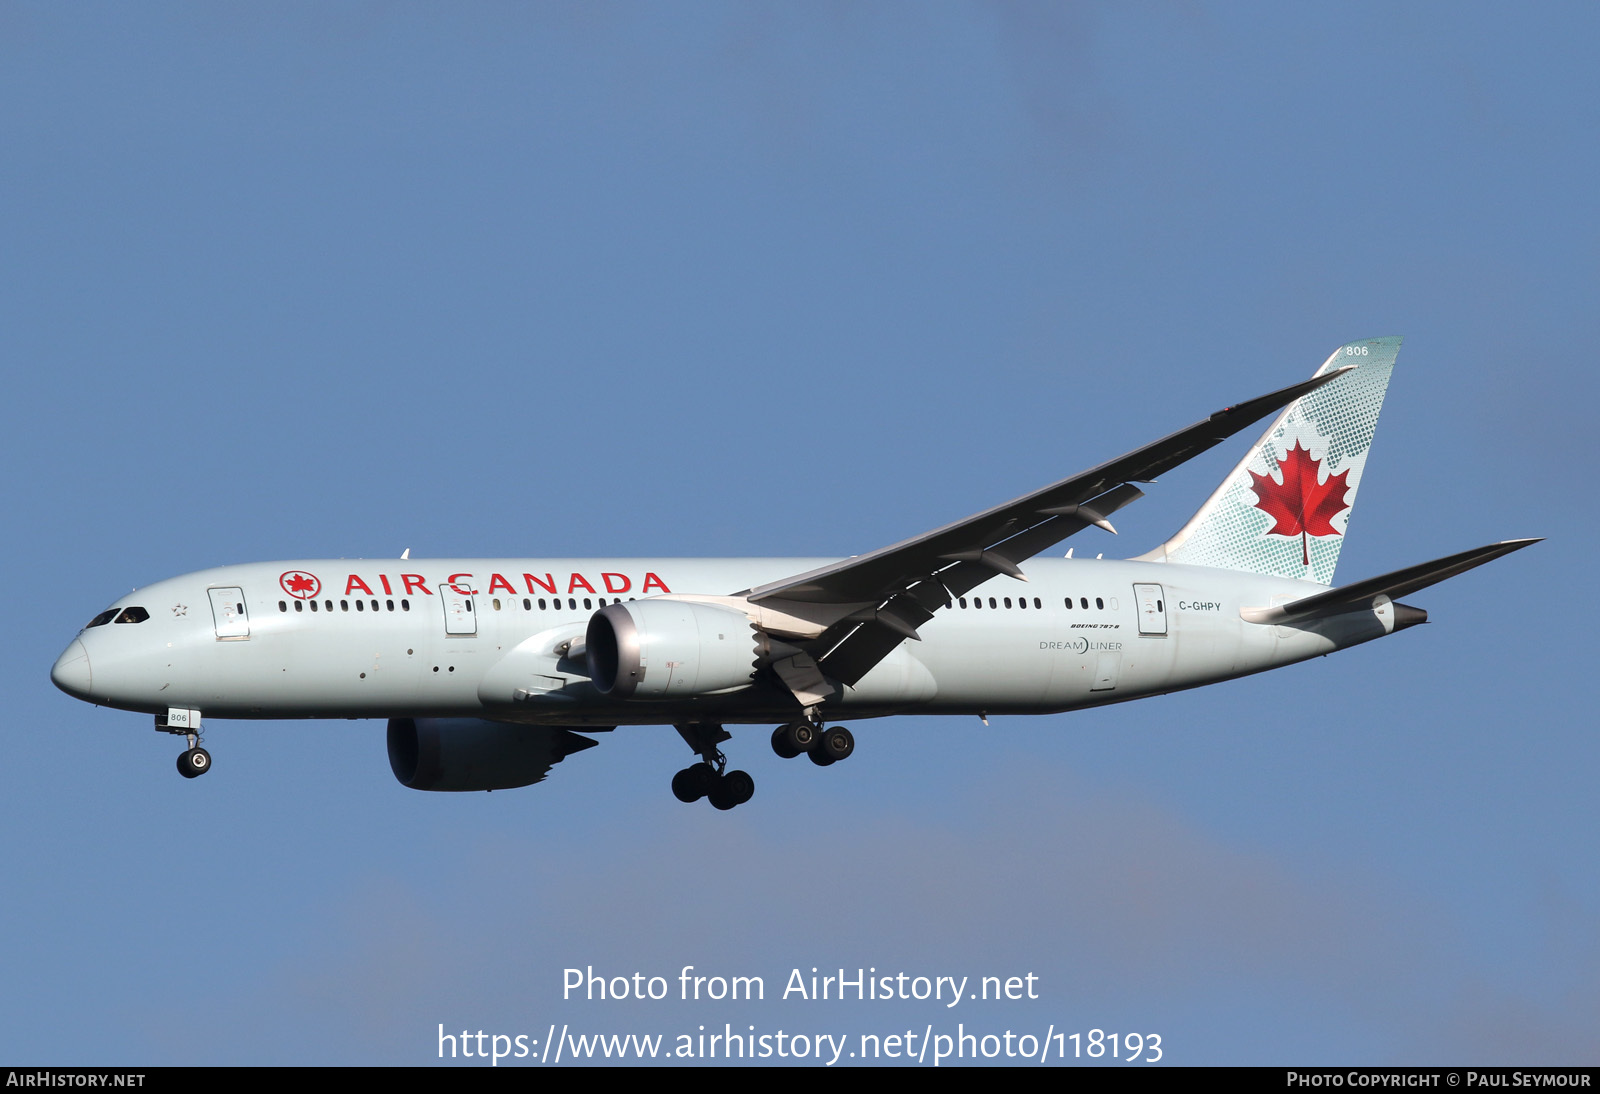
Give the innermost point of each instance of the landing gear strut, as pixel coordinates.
(710, 778)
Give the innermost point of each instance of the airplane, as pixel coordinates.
(490, 671)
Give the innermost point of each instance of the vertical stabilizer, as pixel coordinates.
(1285, 508)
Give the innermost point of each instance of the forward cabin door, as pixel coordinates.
(227, 609)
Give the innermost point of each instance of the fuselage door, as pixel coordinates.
(227, 608)
(460, 613)
(1152, 609)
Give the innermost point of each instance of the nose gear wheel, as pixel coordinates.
(194, 762)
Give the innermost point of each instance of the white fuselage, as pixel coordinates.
(492, 638)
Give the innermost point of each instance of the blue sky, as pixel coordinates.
(334, 280)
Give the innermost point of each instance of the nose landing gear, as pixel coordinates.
(195, 761)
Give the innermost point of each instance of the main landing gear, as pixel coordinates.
(725, 789)
(710, 778)
(824, 745)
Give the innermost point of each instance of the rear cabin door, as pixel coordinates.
(1152, 610)
(227, 608)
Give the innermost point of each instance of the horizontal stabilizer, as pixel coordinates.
(1393, 585)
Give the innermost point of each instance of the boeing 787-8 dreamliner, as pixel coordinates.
(490, 671)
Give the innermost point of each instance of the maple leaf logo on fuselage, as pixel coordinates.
(1300, 505)
(300, 584)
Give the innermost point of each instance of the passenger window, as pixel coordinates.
(541, 604)
(361, 605)
(313, 605)
(962, 601)
(992, 604)
(1069, 603)
(405, 605)
(374, 605)
(526, 606)
(1083, 602)
(388, 605)
(344, 605)
(282, 607)
(497, 603)
(299, 605)
(1100, 603)
(1037, 603)
(1008, 602)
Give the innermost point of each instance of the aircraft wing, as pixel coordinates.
(892, 591)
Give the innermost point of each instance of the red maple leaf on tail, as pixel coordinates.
(1300, 505)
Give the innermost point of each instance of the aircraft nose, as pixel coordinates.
(71, 671)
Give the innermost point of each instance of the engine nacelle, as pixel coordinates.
(469, 754)
(669, 649)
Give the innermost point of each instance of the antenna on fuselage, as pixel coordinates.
(406, 554)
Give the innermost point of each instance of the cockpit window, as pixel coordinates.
(103, 618)
(133, 615)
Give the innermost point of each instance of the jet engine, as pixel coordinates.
(669, 649)
(469, 754)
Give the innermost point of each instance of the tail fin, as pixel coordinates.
(1284, 509)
